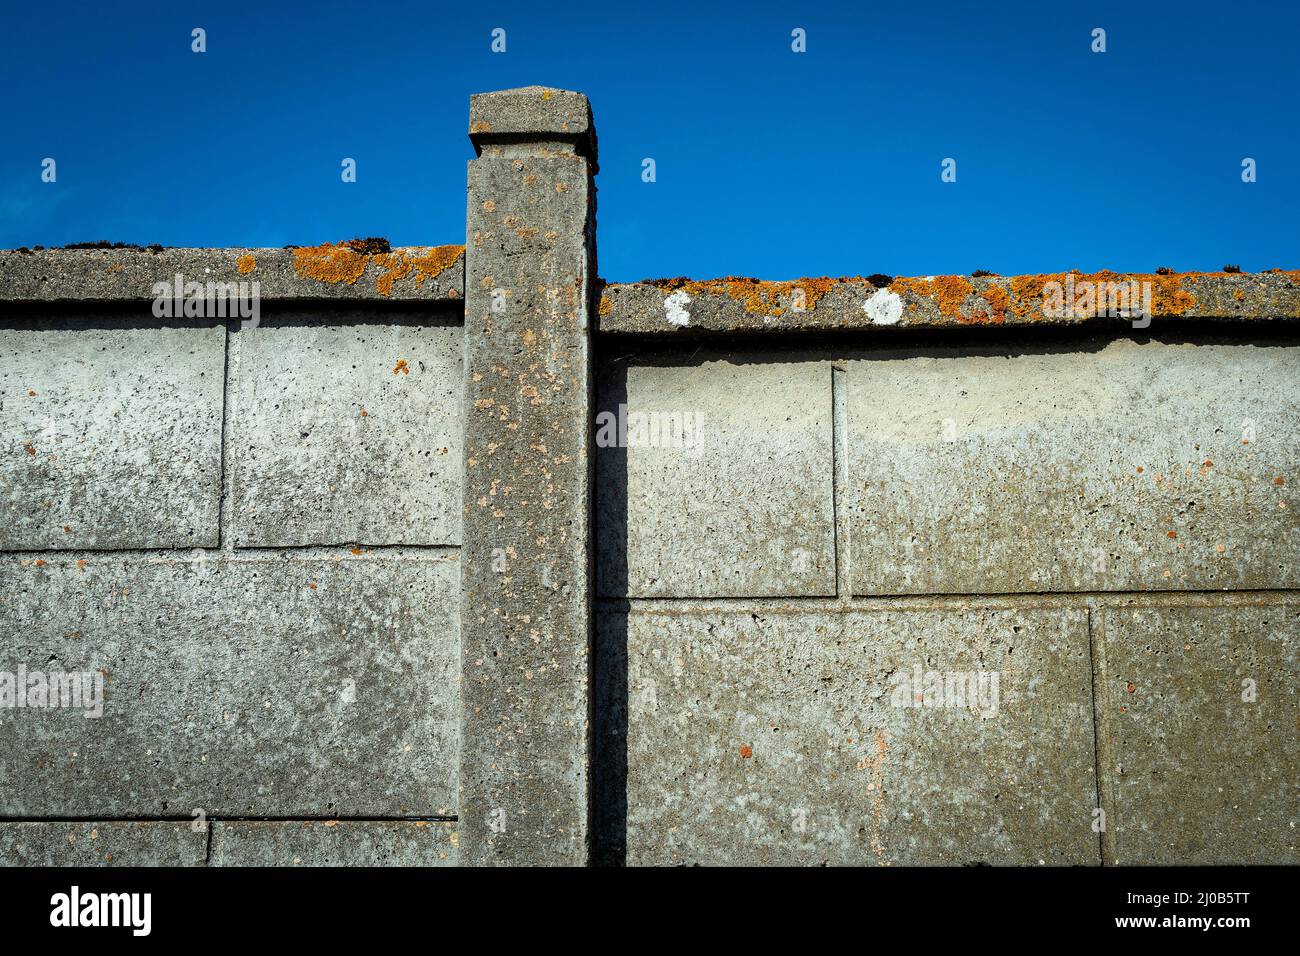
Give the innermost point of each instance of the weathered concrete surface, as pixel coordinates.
(112, 434)
(150, 843)
(328, 271)
(769, 735)
(334, 843)
(723, 484)
(1091, 465)
(346, 427)
(682, 306)
(525, 620)
(258, 686)
(1194, 774)
(532, 114)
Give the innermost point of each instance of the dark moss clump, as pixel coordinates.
(104, 244)
(374, 245)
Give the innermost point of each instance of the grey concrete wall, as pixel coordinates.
(461, 556)
(252, 536)
(1105, 522)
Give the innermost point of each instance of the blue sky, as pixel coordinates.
(769, 163)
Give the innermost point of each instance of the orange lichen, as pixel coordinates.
(480, 126)
(401, 368)
(746, 751)
(431, 264)
(245, 264)
(329, 262)
(341, 262)
(758, 297)
(606, 305)
(999, 302)
(949, 293)
(396, 266)
(1168, 298)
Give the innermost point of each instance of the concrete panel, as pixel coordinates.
(346, 427)
(1090, 465)
(741, 504)
(774, 736)
(268, 686)
(335, 843)
(112, 434)
(1195, 774)
(153, 843)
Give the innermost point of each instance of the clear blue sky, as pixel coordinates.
(769, 163)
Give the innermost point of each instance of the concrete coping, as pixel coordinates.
(680, 306)
(349, 272)
(532, 114)
(345, 271)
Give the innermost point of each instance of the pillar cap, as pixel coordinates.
(532, 113)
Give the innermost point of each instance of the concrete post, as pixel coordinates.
(526, 613)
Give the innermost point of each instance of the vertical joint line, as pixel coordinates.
(225, 493)
(840, 484)
(1101, 749)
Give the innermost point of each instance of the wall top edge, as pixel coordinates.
(680, 305)
(357, 270)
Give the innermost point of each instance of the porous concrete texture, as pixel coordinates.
(334, 843)
(253, 536)
(680, 307)
(326, 271)
(1199, 709)
(525, 620)
(533, 114)
(254, 686)
(112, 432)
(767, 735)
(705, 461)
(1080, 465)
(115, 843)
(346, 427)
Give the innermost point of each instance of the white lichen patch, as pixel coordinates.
(675, 308)
(884, 307)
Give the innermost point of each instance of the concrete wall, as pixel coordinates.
(253, 536)
(1083, 518)
(460, 556)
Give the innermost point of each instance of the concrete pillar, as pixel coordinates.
(526, 613)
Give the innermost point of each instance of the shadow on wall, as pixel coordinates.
(609, 658)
